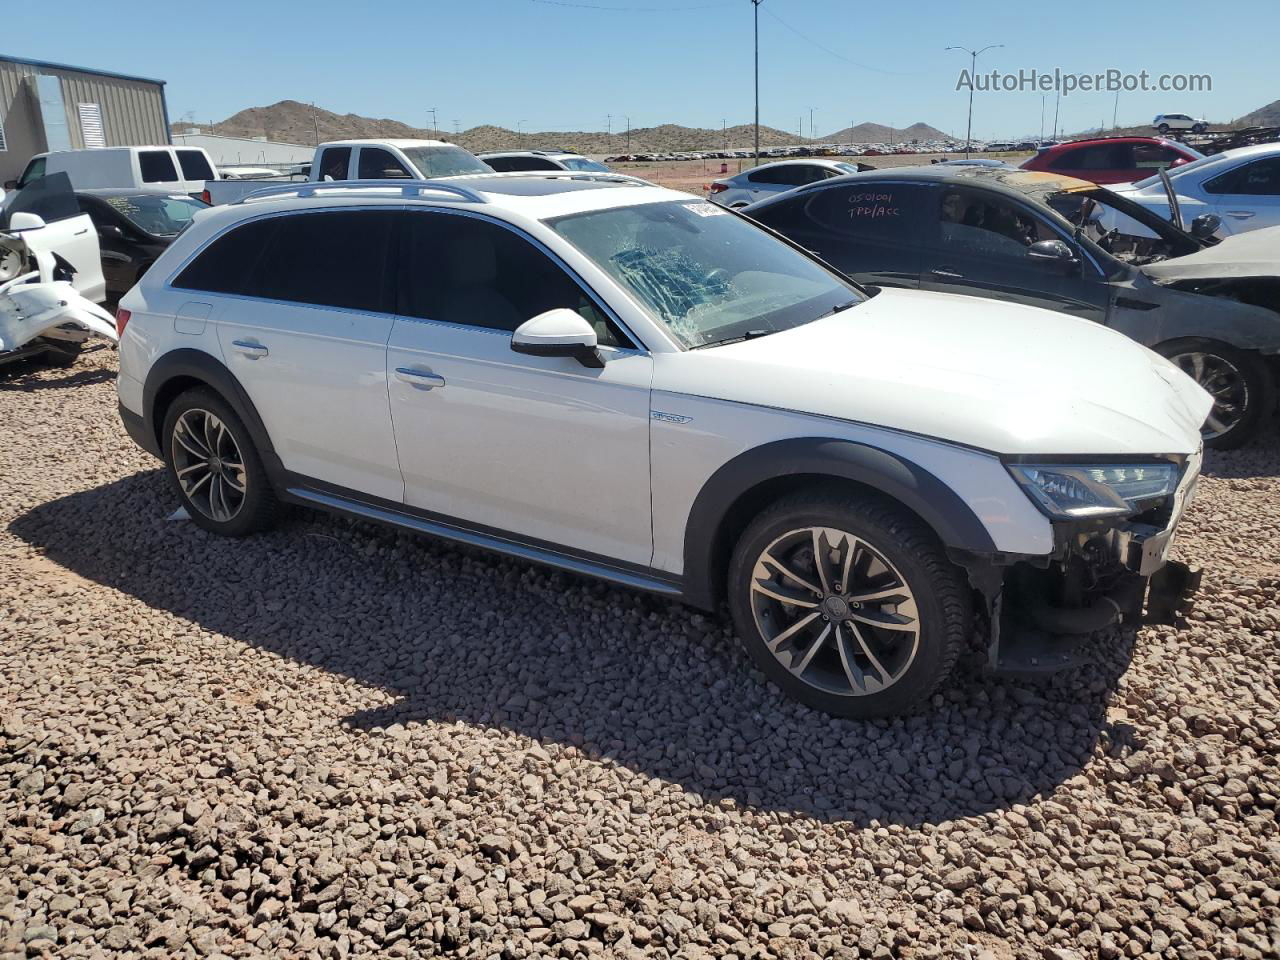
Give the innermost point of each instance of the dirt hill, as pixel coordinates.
(877, 133)
(290, 121)
(1268, 116)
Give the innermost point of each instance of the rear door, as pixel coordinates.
(1247, 197)
(302, 317)
(981, 249)
(873, 231)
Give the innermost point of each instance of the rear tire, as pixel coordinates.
(1198, 128)
(214, 467)
(1237, 379)
(872, 632)
(1163, 129)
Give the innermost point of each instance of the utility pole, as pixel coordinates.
(973, 70)
(1057, 101)
(455, 128)
(315, 123)
(628, 134)
(1115, 111)
(608, 124)
(812, 134)
(755, 8)
(724, 134)
(850, 134)
(1042, 118)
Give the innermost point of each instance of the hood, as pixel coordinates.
(1255, 253)
(998, 376)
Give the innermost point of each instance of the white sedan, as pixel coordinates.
(1241, 187)
(770, 178)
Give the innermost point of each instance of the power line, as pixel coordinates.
(596, 6)
(825, 49)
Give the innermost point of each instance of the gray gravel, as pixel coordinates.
(336, 741)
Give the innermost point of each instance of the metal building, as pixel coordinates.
(249, 151)
(51, 106)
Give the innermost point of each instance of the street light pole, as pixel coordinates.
(755, 9)
(973, 70)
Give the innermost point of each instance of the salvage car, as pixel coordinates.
(1109, 160)
(1068, 245)
(1241, 187)
(134, 227)
(624, 381)
(773, 178)
(50, 276)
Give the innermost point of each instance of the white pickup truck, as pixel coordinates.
(364, 160)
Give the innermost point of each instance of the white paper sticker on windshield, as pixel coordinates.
(706, 209)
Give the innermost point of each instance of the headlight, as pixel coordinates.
(1094, 490)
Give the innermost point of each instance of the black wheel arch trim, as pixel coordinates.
(894, 476)
(209, 370)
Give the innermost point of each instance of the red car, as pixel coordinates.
(1112, 159)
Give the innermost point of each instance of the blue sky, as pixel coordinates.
(556, 66)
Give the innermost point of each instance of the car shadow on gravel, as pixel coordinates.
(652, 685)
(32, 374)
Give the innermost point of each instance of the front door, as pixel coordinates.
(1248, 197)
(542, 448)
(981, 249)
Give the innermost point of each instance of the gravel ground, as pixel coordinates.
(333, 740)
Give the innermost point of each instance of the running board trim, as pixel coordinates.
(485, 542)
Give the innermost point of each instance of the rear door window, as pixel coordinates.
(1106, 156)
(334, 163)
(331, 259)
(156, 166)
(195, 165)
(791, 175)
(1260, 179)
(379, 164)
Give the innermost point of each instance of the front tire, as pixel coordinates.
(1198, 128)
(214, 467)
(1236, 379)
(848, 604)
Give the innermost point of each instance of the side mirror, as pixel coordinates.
(11, 184)
(1205, 226)
(25, 221)
(558, 333)
(110, 231)
(1052, 251)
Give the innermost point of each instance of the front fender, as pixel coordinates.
(1152, 313)
(705, 548)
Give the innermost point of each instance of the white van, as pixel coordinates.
(180, 169)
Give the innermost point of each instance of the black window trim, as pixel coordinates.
(1237, 171)
(389, 294)
(638, 345)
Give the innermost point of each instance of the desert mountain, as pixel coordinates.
(290, 121)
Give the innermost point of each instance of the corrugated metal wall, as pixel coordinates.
(133, 111)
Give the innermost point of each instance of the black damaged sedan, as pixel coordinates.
(1068, 245)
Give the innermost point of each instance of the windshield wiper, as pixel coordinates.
(837, 309)
(749, 335)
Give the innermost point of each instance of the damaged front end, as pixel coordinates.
(1041, 611)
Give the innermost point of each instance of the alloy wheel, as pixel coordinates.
(208, 464)
(1224, 382)
(834, 611)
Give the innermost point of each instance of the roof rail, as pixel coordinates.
(407, 188)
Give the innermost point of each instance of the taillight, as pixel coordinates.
(204, 195)
(717, 187)
(122, 321)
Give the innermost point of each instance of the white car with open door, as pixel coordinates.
(51, 278)
(1241, 187)
(627, 382)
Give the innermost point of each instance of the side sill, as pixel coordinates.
(550, 558)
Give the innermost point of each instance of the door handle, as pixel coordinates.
(422, 379)
(947, 272)
(1240, 214)
(251, 350)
